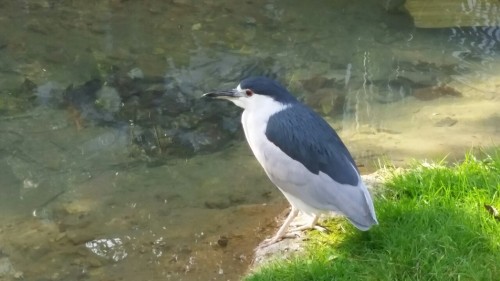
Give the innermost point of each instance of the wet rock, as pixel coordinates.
(446, 122)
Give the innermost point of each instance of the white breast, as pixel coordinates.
(275, 162)
(254, 120)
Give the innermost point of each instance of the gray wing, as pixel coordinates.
(304, 136)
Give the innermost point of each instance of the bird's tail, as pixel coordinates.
(364, 220)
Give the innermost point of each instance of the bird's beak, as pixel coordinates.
(223, 94)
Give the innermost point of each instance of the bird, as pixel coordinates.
(301, 154)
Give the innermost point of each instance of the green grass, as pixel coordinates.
(433, 226)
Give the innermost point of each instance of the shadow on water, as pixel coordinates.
(111, 165)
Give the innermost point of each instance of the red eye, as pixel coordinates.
(249, 93)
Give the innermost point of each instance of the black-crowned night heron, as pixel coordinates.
(302, 155)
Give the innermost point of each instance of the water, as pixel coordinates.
(112, 166)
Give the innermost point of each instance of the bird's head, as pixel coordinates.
(255, 92)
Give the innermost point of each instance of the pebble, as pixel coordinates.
(223, 241)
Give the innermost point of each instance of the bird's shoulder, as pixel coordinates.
(307, 138)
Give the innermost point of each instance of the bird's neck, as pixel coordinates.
(255, 118)
(266, 110)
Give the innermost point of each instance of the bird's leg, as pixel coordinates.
(281, 232)
(310, 225)
(303, 220)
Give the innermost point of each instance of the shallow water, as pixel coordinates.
(133, 177)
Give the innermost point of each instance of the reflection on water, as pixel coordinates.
(108, 248)
(112, 166)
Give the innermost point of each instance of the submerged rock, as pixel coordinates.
(427, 94)
(166, 115)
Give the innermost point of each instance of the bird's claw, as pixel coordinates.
(276, 239)
(308, 227)
(294, 234)
(270, 241)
